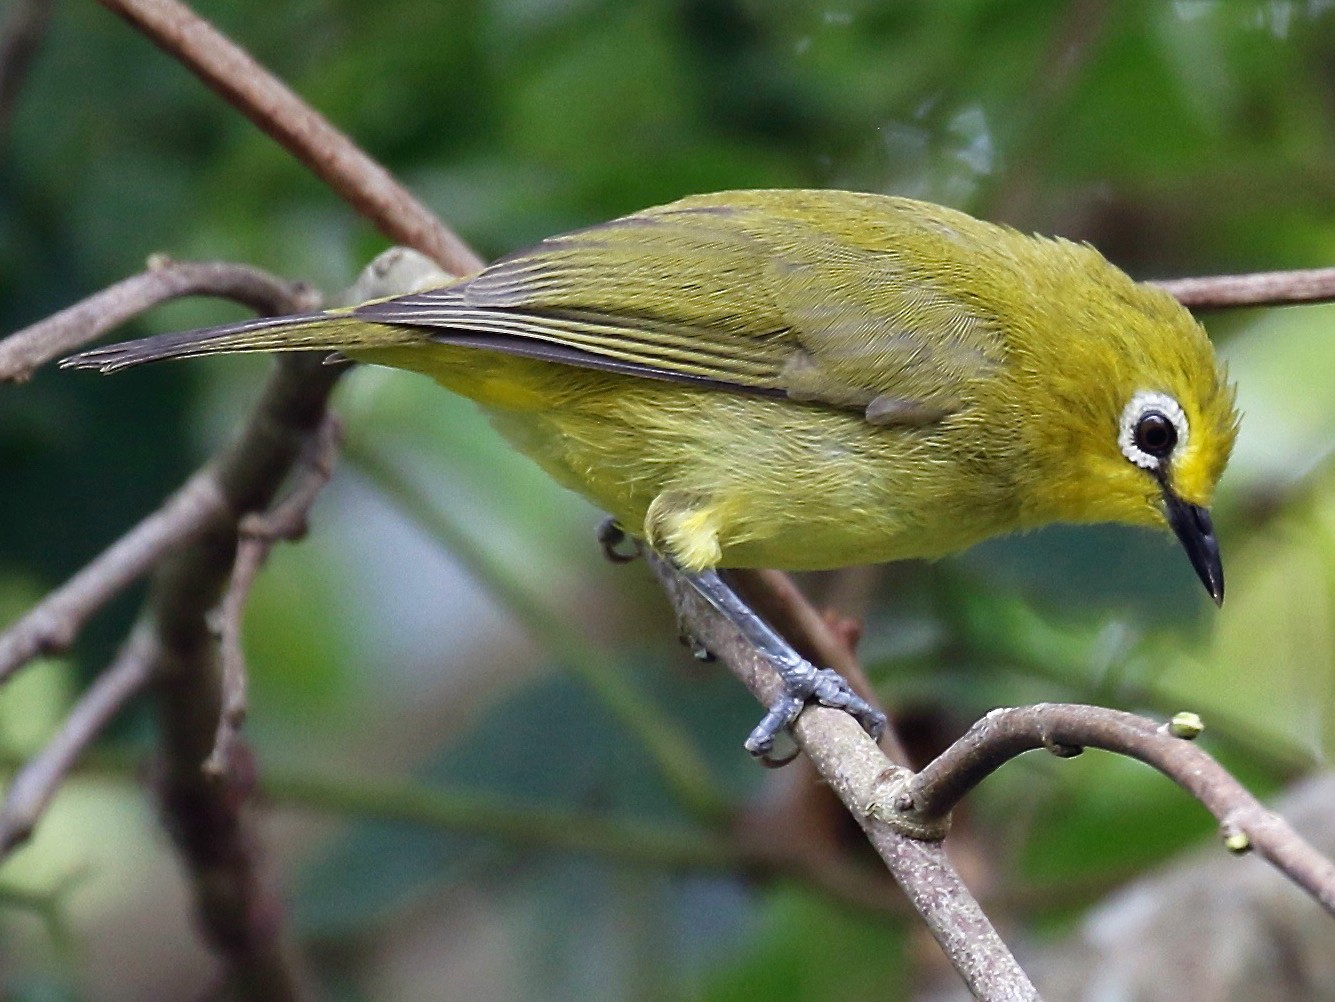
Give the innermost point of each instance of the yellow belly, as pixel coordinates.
(714, 478)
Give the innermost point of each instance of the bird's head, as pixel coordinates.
(1137, 416)
(1180, 443)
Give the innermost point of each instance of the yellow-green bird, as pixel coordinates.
(810, 379)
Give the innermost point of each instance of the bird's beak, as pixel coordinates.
(1194, 529)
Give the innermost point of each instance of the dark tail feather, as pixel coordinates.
(305, 332)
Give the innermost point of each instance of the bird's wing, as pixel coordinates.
(743, 296)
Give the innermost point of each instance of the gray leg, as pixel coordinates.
(802, 681)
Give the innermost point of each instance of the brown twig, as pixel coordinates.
(164, 279)
(1067, 728)
(35, 784)
(241, 916)
(20, 37)
(197, 527)
(1264, 288)
(258, 533)
(246, 85)
(53, 624)
(862, 777)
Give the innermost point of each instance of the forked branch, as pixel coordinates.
(866, 781)
(1066, 728)
(258, 535)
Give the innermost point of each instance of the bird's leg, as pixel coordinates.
(802, 681)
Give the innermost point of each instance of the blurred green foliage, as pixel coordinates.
(1180, 138)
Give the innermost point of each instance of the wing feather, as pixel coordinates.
(823, 299)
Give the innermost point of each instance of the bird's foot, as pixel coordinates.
(803, 682)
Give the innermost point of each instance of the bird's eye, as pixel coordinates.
(1155, 434)
(1152, 428)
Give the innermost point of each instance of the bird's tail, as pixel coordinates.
(333, 332)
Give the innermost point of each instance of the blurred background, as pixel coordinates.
(425, 631)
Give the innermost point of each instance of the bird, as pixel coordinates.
(810, 379)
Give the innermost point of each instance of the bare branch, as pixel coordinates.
(52, 625)
(193, 542)
(862, 777)
(20, 37)
(241, 917)
(239, 913)
(34, 786)
(164, 279)
(1264, 288)
(259, 534)
(1067, 728)
(236, 77)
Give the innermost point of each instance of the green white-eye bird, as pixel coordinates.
(810, 379)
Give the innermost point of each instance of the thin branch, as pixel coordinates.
(196, 534)
(863, 778)
(1265, 288)
(34, 786)
(259, 534)
(240, 915)
(235, 76)
(164, 279)
(1067, 728)
(20, 37)
(52, 625)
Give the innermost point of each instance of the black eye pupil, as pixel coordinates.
(1155, 434)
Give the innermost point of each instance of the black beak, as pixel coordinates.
(1196, 532)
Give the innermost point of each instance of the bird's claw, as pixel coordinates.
(613, 539)
(802, 683)
(782, 712)
(769, 761)
(832, 689)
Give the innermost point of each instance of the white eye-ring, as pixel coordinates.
(1153, 426)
